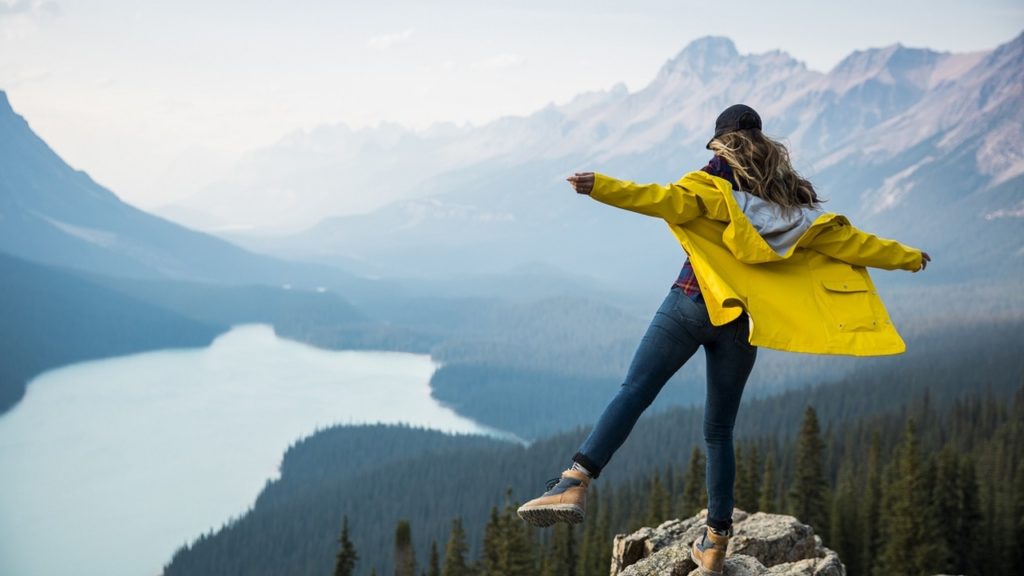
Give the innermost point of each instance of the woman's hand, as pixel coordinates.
(925, 259)
(582, 182)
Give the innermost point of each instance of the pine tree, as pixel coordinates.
(768, 501)
(508, 544)
(405, 556)
(598, 555)
(844, 533)
(562, 559)
(695, 496)
(671, 489)
(932, 552)
(967, 548)
(657, 502)
(870, 516)
(808, 497)
(345, 561)
(588, 545)
(754, 482)
(1017, 545)
(547, 565)
(904, 501)
(434, 567)
(455, 551)
(490, 558)
(740, 490)
(748, 477)
(990, 530)
(946, 505)
(520, 557)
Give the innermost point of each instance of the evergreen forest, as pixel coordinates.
(915, 468)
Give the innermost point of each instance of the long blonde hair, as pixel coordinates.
(761, 166)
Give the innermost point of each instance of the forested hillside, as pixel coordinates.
(294, 526)
(914, 492)
(541, 367)
(53, 317)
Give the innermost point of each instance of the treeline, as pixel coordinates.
(534, 403)
(913, 493)
(377, 475)
(538, 366)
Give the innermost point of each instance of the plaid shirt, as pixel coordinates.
(687, 279)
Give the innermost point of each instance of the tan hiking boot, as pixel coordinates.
(708, 551)
(565, 501)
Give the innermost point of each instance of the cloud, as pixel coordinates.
(1014, 212)
(500, 61)
(33, 7)
(386, 41)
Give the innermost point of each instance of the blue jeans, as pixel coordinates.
(680, 326)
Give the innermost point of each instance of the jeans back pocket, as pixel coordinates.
(691, 312)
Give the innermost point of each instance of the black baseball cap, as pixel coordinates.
(733, 118)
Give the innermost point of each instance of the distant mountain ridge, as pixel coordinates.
(908, 142)
(54, 214)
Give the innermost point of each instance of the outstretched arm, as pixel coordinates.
(674, 203)
(847, 243)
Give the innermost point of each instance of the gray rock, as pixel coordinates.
(773, 539)
(664, 550)
(826, 565)
(762, 544)
(671, 561)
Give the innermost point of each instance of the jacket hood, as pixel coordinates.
(762, 231)
(778, 226)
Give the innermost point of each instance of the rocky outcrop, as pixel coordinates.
(762, 544)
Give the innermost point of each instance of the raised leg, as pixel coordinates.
(668, 343)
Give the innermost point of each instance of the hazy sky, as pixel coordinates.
(155, 98)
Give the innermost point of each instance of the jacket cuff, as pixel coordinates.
(600, 181)
(915, 264)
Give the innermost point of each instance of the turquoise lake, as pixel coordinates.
(108, 466)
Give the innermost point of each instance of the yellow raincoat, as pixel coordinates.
(815, 297)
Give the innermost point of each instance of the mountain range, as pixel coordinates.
(54, 214)
(908, 142)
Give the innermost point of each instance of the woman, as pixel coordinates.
(766, 267)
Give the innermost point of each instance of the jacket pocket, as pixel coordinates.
(848, 303)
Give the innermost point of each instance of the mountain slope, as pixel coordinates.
(53, 214)
(52, 317)
(950, 163)
(891, 135)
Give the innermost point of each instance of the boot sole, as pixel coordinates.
(542, 517)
